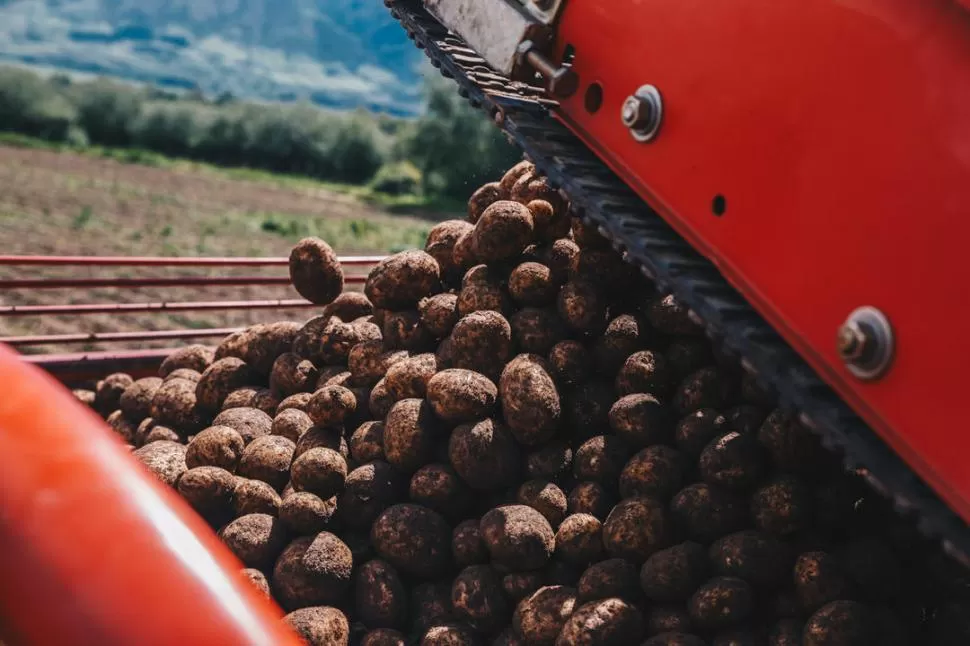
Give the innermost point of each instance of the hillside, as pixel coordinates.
(337, 53)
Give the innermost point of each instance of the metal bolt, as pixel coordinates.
(642, 113)
(851, 341)
(637, 112)
(866, 343)
(561, 82)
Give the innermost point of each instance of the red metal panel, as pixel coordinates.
(94, 550)
(838, 133)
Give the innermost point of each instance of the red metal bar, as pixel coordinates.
(174, 281)
(100, 337)
(156, 261)
(122, 308)
(77, 368)
(94, 549)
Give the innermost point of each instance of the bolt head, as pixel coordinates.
(564, 84)
(638, 113)
(851, 341)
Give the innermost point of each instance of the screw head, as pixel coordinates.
(851, 341)
(642, 113)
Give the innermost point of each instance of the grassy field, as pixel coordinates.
(98, 202)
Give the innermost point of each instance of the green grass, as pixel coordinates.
(400, 204)
(344, 233)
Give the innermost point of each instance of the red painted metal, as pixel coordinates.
(128, 308)
(838, 133)
(94, 550)
(76, 368)
(101, 337)
(162, 261)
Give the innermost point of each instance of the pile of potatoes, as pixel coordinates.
(509, 438)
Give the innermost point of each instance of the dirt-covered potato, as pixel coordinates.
(255, 539)
(467, 546)
(482, 289)
(819, 579)
(380, 598)
(216, 446)
(108, 391)
(607, 622)
(601, 459)
(504, 230)
(306, 514)
(579, 539)
(721, 602)
(782, 506)
(791, 446)
(414, 539)
(477, 598)
(369, 362)
(312, 570)
(380, 401)
(192, 357)
(315, 271)
(640, 420)
(297, 402)
(519, 585)
(383, 637)
(349, 307)
(559, 257)
(517, 537)
(122, 426)
(84, 396)
(546, 498)
(136, 400)
(705, 513)
(670, 316)
(537, 330)
(409, 377)
(661, 619)
(331, 405)
(636, 528)
(705, 388)
(430, 605)
(531, 284)
(291, 423)
(401, 280)
(485, 455)
(697, 429)
(570, 363)
(255, 497)
(644, 372)
(220, 379)
(441, 245)
(539, 617)
(551, 218)
(530, 401)
(320, 626)
(258, 580)
(325, 340)
(268, 458)
(464, 255)
(582, 307)
(672, 574)
(657, 471)
(759, 558)
(485, 196)
(161, 433)
(438, 487)
(513, 175)
(609, 578)
(733, 461)
(292, 374)
(840, 622)
(174, 406)
(165, 459)
(674, 638)
(209, 490)
(452, 634)
(368, 490)
(458, 396)
(252, 397)
(624, 336)
(320, 471)
(367, 442)
(590, 498)
(482, 342)
(532, 187)
(438, 314)
(552, 461)
(403, 331)
(410, 430)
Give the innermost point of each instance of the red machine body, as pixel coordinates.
(835, 138)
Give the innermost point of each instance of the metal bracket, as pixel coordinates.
(545, 11)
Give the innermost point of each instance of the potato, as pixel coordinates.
(220, 379)
(745, 419)
(590, 498)
(252, 397)
(791, 446)
(552, 461)
(609, 578)
(605, 269)
(382, 637)
(482, 342)
(380, 401)
(192, 357)
(517, 537)
(819, 579)
(438, 487)
(624, 336)
(530, 401)
(450, 635)
(587, 409)
(268, 458)
(485, 455)
(519, 585)
(403, 331)
(438, 314)
(467, 546)
(668, 315)
(705, 513)
(672, 574)
(331, 405)
(537, 330)
(349, 307)
(216, 446)
(430, 605)
(546, 498)
(569, 363)
(483, 197)
(401, 280)
(292, 374)
(369, 362)
(644, 372)
(320, 626)
(531, 284)
(257, 579)
(782, 506)
(658, 471)
(733, 461)
(758, 558)
(108, 392)
(322, 437)
(414, 539)
(161, 433)
(380, 599)
(476, 597)
(579, 539)
(674, 639)
(266, 342)
(441, 245)
(608, 622)
(312, 570)
(582, 307)
(291, 423)
(209, 490)
(636, 528)
(532, 187)
(559, 257)
(409, 434)
(482, 289)
(163, 458)
(458, 396)
(409, 377)
(367, 442)
(298, 402)
(722, 602)
(320, 471)
(550, 216)
(255, 539)
(315, 271)
(136, 400)
(661, 619)
(86, 397)
(840, 622)
(513, 175)
(307, 514)
(255, 497)
(601, 459)
(174, 406)
(706, 388)
(504, 230)
(325, 340)
(786, 632)
(123, 427)
(640, 420)
(539, 618)
(465, 255)
(697, 429)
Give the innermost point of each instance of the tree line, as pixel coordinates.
(446, 152)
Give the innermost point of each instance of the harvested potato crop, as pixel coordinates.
(369, 362)
(331, 405)
(108, 391)
(607, 622)
(570, 363)
(255, 497)
(697, 429)
(624, 336)
(483, 197)
(292, 374)
(705, 388)
(216, 446)
(403, 331)
(252, 397)
(452, 634)
(122, 426)
(705, 513)
(477, 598)
(174, 406)
(840, 622)
(349, 307)
(674, 639)
(441, 246)
(733, 461)
(513, 175)
(686, 355)
(792, 447)
(636, 528)
(670, 316)
(517, 537)
(658, 471)
(640, 420)
(220, 379)
(368, 490)
(582, 307)
(312, 570)
(439, 313)
(546, 498)
(579, 539)
(258, 580)
(291, 423)
(609, 578)
(255, 539)
(414, 539)
(644, 372)
(485, 455)
(380, 401)
(136, 400)
(438, 487)
(722, 602)
(759, 558)
(458, 395)
(268, 458)
(401, 280)
(504, 230)
(209, 490)
(601, 459)
(530, 401)
(782, 506)
(819, 579)
(325, 340)
(482, 289)
(84, 396)
(383, 637)
(531, 284)
(380, 598)
(482, 342)
(306, 514)
(672, 574)
(539, 618)
(537, 330)
(192, 357)
(298, 402)
(590, 498)
(320, 471)
(552, 461)
(550, 218)
(409, 377)
(467, 546)
(165, 459)
(410, 430)
(320, 626)
(250, 423)
(367, 442)
(559, 257)
(315, 271)
(661, 619)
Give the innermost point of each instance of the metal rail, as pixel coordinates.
(101, 337)
(174, 281)
(161, 261)
(129, 308)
